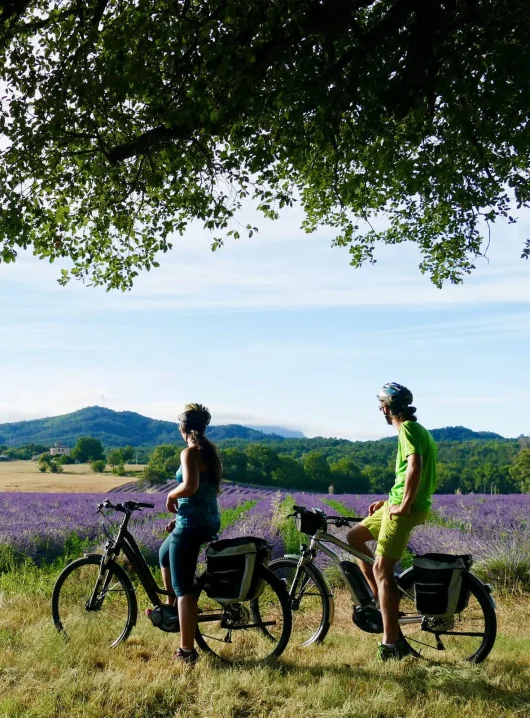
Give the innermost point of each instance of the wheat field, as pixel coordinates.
(76, 478)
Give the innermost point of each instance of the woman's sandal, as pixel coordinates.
(189, 657)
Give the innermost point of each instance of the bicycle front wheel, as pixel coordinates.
(249, 631)
(465, 636)
(311, 601)
(94, 606)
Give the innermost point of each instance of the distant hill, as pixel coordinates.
(119, 428)
(454, 433)
(460, 433)
(114, 428)
(280, 431)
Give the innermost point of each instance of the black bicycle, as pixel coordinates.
(94, 601)
(468, 634)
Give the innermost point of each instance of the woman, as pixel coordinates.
(194, 501)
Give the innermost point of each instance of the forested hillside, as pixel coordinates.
(112, 428)
(467, 460)
(477, 465)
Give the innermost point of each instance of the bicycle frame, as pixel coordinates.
(316, 543)
(125, 542)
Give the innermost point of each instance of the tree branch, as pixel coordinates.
(145, 143)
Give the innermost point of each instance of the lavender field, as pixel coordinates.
(495, 529)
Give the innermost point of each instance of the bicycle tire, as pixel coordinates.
(481, 609)
(215, 638)
(285, 569)
(74, 588)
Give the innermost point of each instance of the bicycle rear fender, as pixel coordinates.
(473, 579)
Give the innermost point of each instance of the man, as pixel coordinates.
(390, 522)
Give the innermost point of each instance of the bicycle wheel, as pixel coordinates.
(311, 600)
(466, 636)
(93, 607)
(249, 631)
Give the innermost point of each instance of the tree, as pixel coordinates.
(162, 466)
(127, 454)
(234, 465)
(520, 470)
(290, 474)
(348, 478)
(98, 466)
(123, 122)
(115, 457)
(88, 449)
(317, 469)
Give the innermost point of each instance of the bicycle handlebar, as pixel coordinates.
(336, 520)
(126, 508)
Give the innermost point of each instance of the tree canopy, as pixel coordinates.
(124, 121)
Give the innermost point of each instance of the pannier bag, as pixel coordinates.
(232, 568)
(438, 583)
(309, 522)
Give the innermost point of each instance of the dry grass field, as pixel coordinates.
(41, 676)
(76, 478)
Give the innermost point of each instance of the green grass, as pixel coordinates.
(339, 507)
(230, 516)
(286, 525)
(41, 676)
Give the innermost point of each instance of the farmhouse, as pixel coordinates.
(59, 449)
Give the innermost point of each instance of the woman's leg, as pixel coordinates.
(166, 570)
(183, 554)
(187, 607)
(184, 551)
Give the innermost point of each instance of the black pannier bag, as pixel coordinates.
(309, 522)
(438, 583)
(232, 568)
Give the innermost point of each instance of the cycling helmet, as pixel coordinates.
(196, 416)
(394, 395)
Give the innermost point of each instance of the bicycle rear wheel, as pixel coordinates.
(311, 601)
(466, 636)
(249, 631)
(94, 607)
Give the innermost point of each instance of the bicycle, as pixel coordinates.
(94, 599)
(466, 635)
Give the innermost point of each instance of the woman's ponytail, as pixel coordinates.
(209, 451)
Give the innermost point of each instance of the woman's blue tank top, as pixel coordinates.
(202, 508)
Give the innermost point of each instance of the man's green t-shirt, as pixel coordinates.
(415, 439)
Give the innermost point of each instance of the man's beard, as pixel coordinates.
(388, 418)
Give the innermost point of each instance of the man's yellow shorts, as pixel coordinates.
(392, 534)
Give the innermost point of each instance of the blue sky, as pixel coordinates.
(277, 329)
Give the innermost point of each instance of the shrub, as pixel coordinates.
(119, 470)
(152, 475)
(507, 567)
(98, 466)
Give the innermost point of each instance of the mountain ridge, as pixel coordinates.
(119, 428)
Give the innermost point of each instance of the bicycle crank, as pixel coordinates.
(368, 619)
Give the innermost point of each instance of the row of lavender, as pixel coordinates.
(492, 528)
(495, 529)
(39, 525)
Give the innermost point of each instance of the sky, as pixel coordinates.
(275, 330)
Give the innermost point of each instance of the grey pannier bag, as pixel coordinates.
(438, 583)
(232, 568)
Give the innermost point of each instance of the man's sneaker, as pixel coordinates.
(398, 651)
(185, 656)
